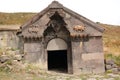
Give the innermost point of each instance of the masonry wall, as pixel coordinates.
(88, 57)
(76, 56)
(93, 45)
(8, 38)
(35, 53)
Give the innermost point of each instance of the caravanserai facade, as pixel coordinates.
(57, 38)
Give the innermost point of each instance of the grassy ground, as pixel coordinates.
(55, 76)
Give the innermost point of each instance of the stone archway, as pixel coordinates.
(57, 55)
(57, 44)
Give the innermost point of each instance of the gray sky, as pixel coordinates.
(104, 11)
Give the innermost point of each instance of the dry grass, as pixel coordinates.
(111, 39)
(14, 18)
(59, 76)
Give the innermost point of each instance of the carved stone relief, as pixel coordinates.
(80, 28)
(33, 29)
(53, 11)
(55, 29)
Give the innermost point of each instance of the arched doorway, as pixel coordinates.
(57, 55)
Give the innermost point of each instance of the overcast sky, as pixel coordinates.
(104, 11)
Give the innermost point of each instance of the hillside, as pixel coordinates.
(14, 18)
(111, 35)
(111, 39)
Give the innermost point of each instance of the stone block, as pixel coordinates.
(4, 58)
(114, 66)
(18, 57)
(114, 70)
(94, 62)
(108, 67)
(109, 62)
(90, 56)
(119, 69)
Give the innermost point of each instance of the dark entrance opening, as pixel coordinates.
(57, 60)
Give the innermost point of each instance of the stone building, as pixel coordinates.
(8, 36)
(57, 38)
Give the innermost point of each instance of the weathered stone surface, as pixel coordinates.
(119, 69)
(114, 69)
(93, 63)
(109, 62)
(114, 66)
(82, 46)
(111, 65)
(108, 67)
(18, 57)
(4, 58)
(9, 39)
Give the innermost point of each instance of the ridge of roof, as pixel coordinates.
(84, 19)
(35, 18)
(56, 4)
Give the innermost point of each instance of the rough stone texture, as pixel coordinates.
(114, 65)
(108, 67)
(111, 66)
(76, 56)
(109, 61)
(4, 58)
(93, 45)
(114, 70)
(8, 38)
(94, 62)
(84, 48)
(32, 51)
(18, 57)
(119, 69)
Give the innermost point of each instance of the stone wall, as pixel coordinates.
(93, 45)
(88, 56)
(8, 38)
(92, 63)
(111, 66)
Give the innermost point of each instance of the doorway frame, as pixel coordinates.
(69, 55)
(65, 69)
